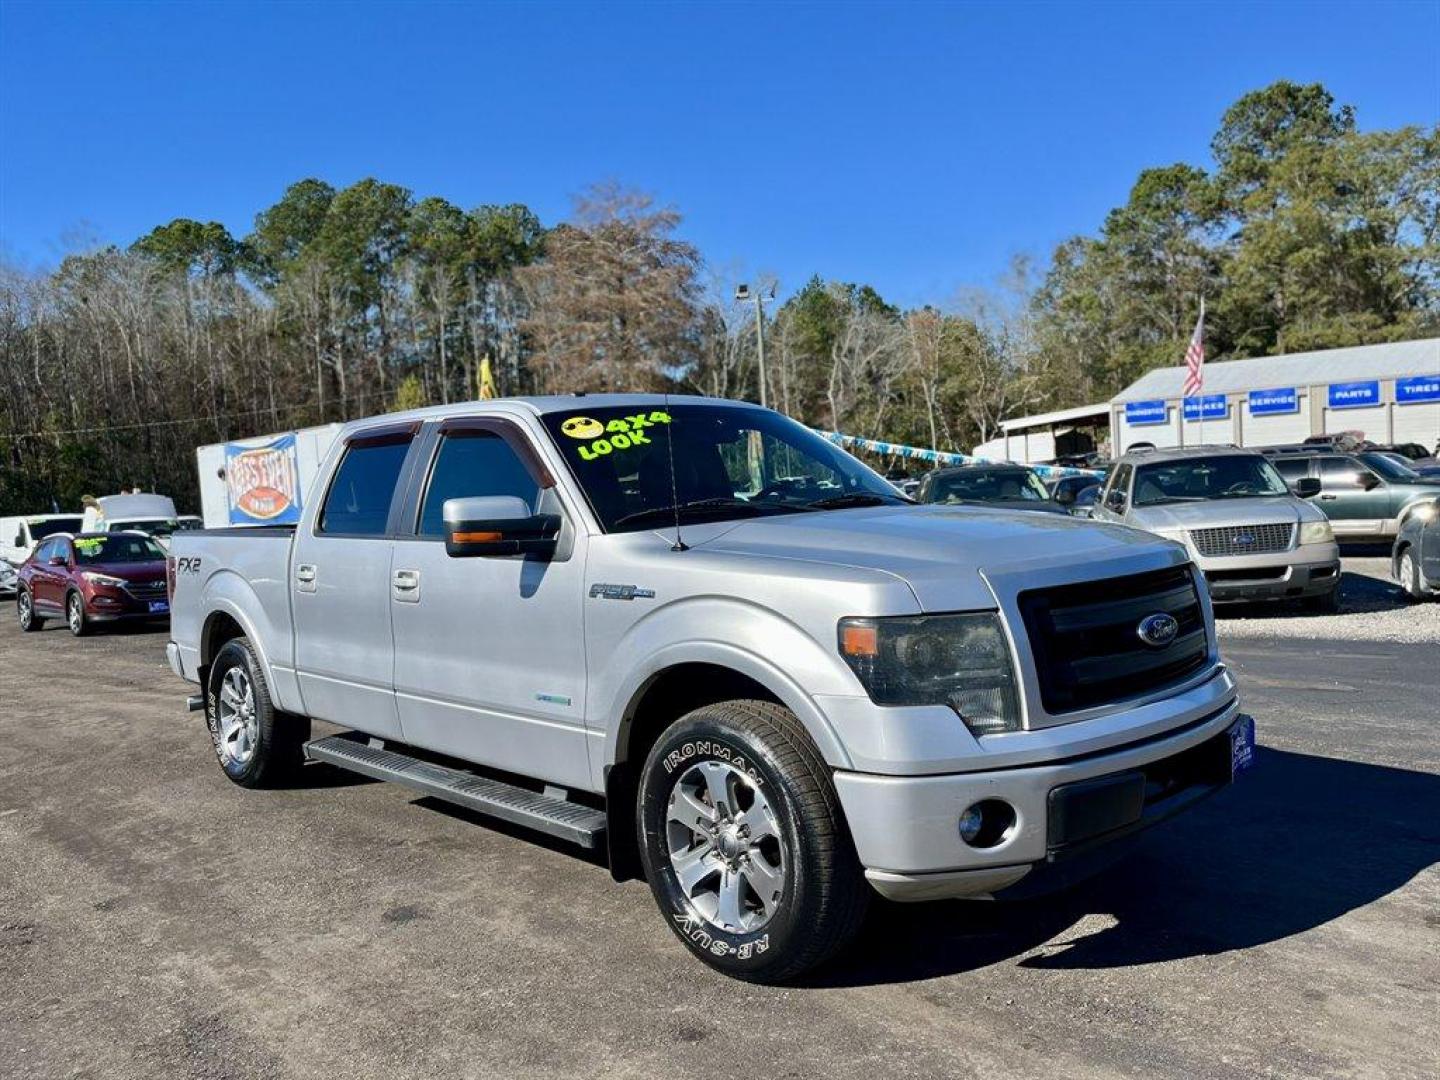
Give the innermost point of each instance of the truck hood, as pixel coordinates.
(1215, 513)
(951, 556)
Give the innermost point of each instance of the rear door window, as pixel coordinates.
(358, 502)
(471, 464)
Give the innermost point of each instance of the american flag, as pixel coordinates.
(1195, 356)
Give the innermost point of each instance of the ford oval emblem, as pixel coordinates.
(1158, 630)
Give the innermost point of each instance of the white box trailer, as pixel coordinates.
(264, 480)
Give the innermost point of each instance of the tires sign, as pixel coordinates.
(262, 483)
(1417, 388)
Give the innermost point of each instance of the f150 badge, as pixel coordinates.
(602, 591)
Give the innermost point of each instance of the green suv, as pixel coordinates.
(1366, 495)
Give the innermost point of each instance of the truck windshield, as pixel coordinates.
(117, 548)
(1230, 476)
(729, 462)
(41, 529)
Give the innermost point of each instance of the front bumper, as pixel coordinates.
(113, 604)
(1308, 570)
(906, 829)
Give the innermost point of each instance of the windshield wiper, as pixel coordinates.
(855, 498)
(668, 513)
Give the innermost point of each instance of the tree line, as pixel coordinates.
(1305, 233)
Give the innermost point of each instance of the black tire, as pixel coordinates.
(824, 896)
(1410, 577)
(75, 617)
(1325, 604)
(25, 612)
(277, 747)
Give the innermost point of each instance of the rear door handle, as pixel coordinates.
(406, 584)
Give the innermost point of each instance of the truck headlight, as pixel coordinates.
(1316, 532)
(962, 661)
(103, 579)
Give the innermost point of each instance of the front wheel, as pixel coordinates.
(744, 843)
(257, 744)
(75, 615)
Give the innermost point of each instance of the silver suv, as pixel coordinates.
(1253, 537)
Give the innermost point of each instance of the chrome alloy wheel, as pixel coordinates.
(725, 846)
(235, 719)
(23, 608)
(76, 613)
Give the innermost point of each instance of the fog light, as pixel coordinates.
(987, 823)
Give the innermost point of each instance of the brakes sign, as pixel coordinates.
(262, 482)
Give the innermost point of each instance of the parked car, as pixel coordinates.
(1413, 453)
(1415, 559)
(1076, 494)
(770, 699)
(93, 578)
(1367, 496)
(9, 579)
(1006, 487)
(1239, 521)
(19, 535)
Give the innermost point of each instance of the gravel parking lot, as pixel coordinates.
(157, 921)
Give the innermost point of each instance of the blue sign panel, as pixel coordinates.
(1353, 395)
(1140, 413)
(263, 482)
(1207, 407)
(1284, 399)
(1417, 388)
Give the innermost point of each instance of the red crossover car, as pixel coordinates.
(90, 578)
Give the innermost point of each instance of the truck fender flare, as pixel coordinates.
(743, 661)
(217, 602)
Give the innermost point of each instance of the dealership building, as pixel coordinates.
(1390, 393)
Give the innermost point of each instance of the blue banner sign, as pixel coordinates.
(1354, 395)
(1140, 413)
(262, 483)
(1284, 399)
(1207, 407)
(1417, 388)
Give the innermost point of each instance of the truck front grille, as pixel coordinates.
(1086, 641)
(1242, 539)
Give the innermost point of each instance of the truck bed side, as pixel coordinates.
(239, 574)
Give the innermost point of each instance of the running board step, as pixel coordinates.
(583, 825)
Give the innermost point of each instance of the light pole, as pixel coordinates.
(761, 297)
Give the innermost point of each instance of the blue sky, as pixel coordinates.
(913, 146)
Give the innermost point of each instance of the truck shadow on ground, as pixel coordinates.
(1299, 841)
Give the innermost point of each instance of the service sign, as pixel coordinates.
(1281, 400)
(1206, 407)
(1354, 395)
(1140, 413)
(1417, 388)
(262, 483)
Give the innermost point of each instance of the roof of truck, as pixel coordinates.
(544, 404)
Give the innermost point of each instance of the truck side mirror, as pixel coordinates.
(1065, 496)
(1307, 487)
(1115, 501)
(491, 525)
(57, 560)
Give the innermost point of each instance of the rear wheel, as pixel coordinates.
(75, 615)
(257, 744)
(745, 845)
(25, 612)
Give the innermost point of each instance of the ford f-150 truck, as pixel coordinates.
(697, 636)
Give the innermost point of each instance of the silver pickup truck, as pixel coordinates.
(698, 637)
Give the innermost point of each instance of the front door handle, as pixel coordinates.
(406, 584)
(1327, 498)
